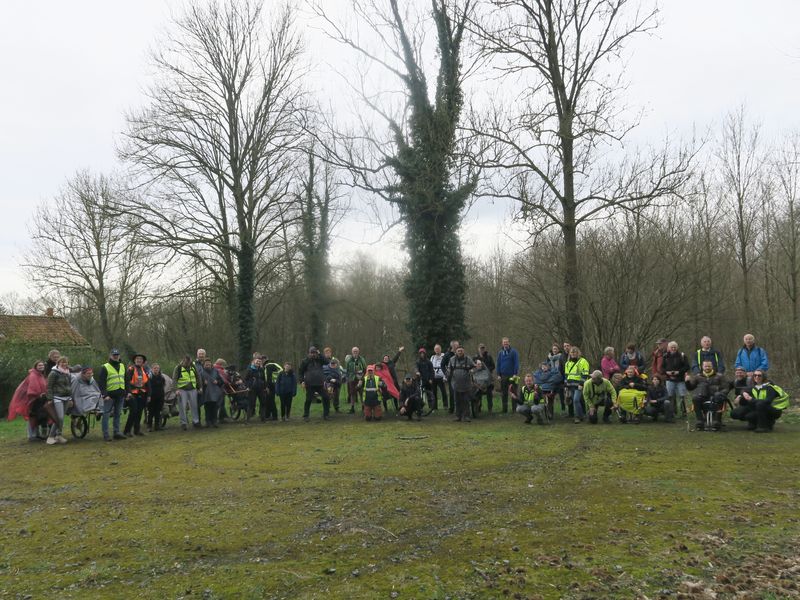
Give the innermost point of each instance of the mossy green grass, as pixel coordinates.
(348, 509)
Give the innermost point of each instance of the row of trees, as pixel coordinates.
(234, 180)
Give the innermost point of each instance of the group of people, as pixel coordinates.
(633, 388)
(628, 387)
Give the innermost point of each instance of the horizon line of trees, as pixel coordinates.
(219, 231)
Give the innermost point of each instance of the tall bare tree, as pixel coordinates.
(417, 167)
(742, 162)
(86, 254)
(555, 141)
(217, 142)
(786, 231)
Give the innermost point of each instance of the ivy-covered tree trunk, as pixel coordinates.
(244, 307)
(430, 205)
(316, 225)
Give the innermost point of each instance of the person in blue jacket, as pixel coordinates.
(507, 367)
(286, 389)
(546, 378)
(751, 357)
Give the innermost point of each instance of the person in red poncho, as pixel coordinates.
(33, 386)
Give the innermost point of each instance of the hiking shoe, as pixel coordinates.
(197, 425)
(141, 433)
(61, 439)
(576, 420)
(183, 426)
(51, 441)
(119, 436)
(700, 426)
(457, 419)
(106, 438)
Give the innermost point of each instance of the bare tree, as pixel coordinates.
(556, 142)
(786, 231)
(86, 253)
(217, 142)
(741, 159)
(417, 168)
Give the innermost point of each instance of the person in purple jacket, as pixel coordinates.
(507, 364)
(751, 357)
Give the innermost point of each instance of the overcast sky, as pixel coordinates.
(69, 70)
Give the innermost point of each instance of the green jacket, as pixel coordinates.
(593, 394)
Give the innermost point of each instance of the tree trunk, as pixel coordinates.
(572, 310)
(246, 291)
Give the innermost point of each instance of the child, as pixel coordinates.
(286, 389)
(371, 387)
(410, 399)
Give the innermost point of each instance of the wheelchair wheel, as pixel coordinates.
(79, 426)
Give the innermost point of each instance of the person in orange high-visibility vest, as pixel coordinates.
(137, 383)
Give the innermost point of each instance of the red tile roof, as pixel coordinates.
(39, 330)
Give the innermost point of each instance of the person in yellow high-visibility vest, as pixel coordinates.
(576, 372)
(762, 404)
(185, 377)
(111, 381)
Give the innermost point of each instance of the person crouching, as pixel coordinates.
(410, 398)
(529, 401)
(597, 392)
(658, 401)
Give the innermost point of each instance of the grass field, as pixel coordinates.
(346, 509)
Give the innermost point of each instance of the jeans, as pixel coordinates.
(676, 386)
(188, 397)
(58, 405)
(577, 403)
(112, 406)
